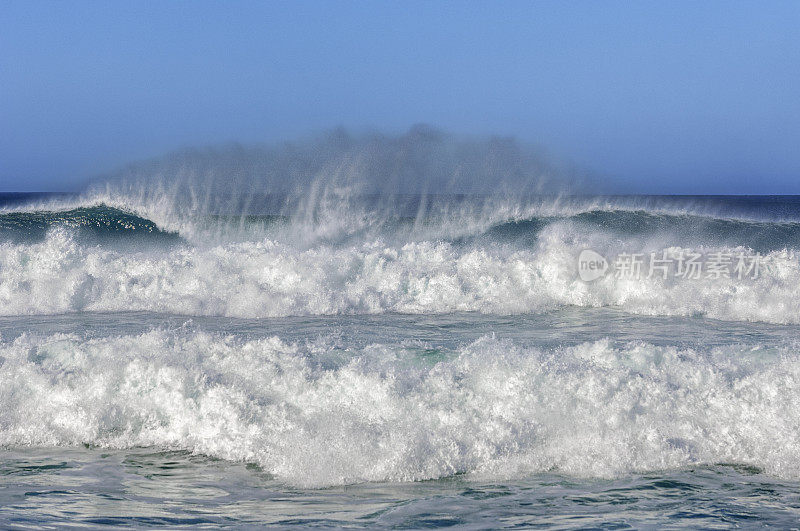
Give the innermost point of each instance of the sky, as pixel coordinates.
(645, 97)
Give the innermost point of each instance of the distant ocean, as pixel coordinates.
(399, 361)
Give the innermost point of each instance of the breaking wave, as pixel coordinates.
(512, 267)
(416, 224)
(314, 414)
(105, 259)
(420, 223)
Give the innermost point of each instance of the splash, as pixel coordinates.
(490, 409)
(417, 223)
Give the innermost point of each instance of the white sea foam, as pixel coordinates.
(315, 415)
(273, 278)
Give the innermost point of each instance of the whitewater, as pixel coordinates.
(333, 349)
(512, 260)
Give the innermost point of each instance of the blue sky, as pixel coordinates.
(665, 97)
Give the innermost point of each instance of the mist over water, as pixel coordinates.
(337, 178)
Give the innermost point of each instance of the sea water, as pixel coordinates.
(399, 366)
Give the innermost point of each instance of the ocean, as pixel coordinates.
(399, 361)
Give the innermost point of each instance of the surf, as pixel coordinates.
(417, 223)
(496, 409)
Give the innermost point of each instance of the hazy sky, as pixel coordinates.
(693, 97)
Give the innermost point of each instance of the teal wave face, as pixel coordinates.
(97, 222)
(687, 230)
(681, 230)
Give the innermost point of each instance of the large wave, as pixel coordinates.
(417, 223)
(315, 415)
(63, 273)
